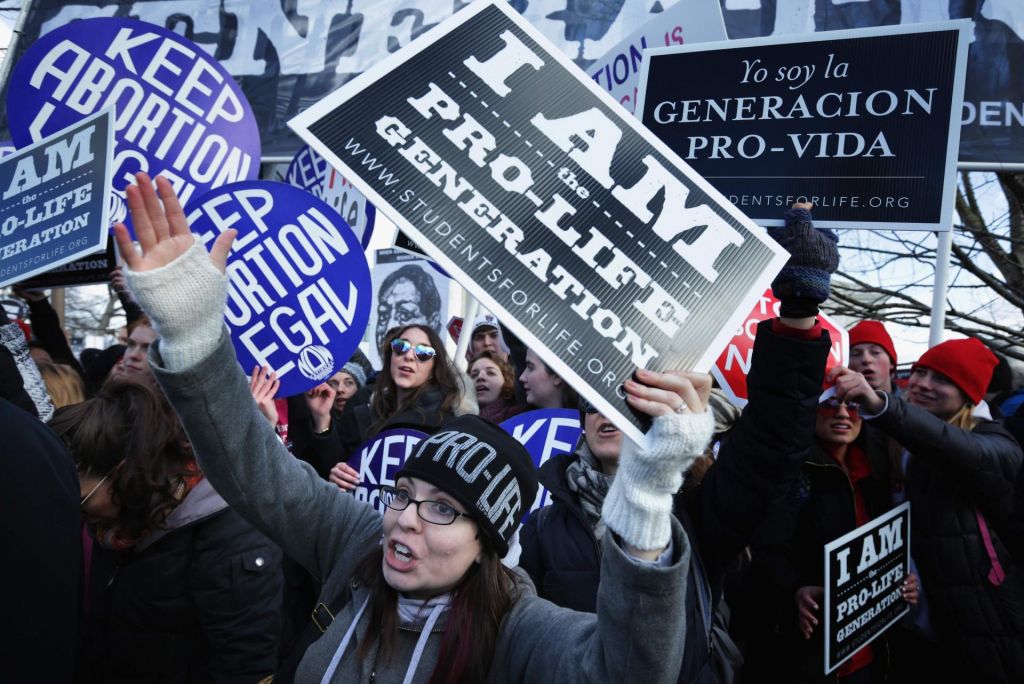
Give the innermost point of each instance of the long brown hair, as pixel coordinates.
(508, 374)
(443, 377)
(129, 431)
(478, 605)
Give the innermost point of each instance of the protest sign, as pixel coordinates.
(992, 120)
(379, 459)
(177, 112)
(299, 287)
(545, 433)
(56, 199)
(551, 205)
(287, 55)
(862, 123)
(864, 573)
(7, 148)
(406, 291)
(311, 173)
(618, 71)
(88, 270)
(733, 364)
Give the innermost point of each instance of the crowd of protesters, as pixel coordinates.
(171, 519)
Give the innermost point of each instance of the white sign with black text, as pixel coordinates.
(524, 180)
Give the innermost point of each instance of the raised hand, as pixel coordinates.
(161, 228)
(320, 399)
(264, 384)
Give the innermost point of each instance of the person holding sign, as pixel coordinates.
(957, 467)
(843, 484)
(432, 602)
(756, 464)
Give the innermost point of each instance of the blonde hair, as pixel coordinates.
(63, 383)
(964, 418)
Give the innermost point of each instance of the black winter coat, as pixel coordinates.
(954, 473)
(757, 464)
(787, 553)
(198, 602)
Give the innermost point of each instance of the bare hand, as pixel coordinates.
(807, 600)
(264, 385)
(345, 476)
(852, 386)
(161, 228)
(661, 394)
(320, 399)
(911, 589)
(803, 205)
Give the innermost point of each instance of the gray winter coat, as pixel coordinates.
(636, 635)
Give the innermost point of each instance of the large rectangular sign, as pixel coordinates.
(864, 573)
(556, 209)
(863, 123)
(992, 120)
(55, 199)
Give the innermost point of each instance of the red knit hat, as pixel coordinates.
(873, 332)
(968, 363)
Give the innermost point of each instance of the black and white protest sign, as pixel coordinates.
(88, 270)
(863, 123)
(55, 199)
(407, 289)
(557, 210)
(299, 285)
(864, 573)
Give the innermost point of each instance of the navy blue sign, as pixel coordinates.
(54, 200)
(379, 459)
(88, 270)
(299, 291)
(864, 123)
(312, 173)
(545, 433)
(178, 113)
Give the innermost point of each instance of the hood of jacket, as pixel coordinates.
(200, 503)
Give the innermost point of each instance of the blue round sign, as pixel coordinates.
(312, 173)
(379, 459)
(177, 111)
(299, 290)
(545, 433)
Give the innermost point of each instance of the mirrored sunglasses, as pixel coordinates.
(423, 352)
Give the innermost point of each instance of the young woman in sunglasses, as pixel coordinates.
(419, 594)
(843, 484)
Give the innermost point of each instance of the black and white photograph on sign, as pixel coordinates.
(407, 289)
(864, 124)
(864, 573)
(539, 194)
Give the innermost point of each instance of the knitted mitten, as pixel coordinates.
(185, 300)
(638, 506)
(803, 283)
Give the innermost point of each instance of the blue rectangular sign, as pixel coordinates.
(54, 199)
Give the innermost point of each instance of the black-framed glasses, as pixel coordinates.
(434, 512)
(424, 352)
(832, 404)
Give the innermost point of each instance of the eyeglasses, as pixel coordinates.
(424, 352)
(832, 405)
(435, 512)
(100, 483)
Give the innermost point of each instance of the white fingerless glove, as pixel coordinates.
(638, 506)
(185, 300)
